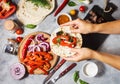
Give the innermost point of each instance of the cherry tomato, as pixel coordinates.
(19, 31)
(19, 39)
(82, 8)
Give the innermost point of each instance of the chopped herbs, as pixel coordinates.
(58, 40)
(42, 3)
(59, 33)
(8, 3)
(71, 39)
(71, 3)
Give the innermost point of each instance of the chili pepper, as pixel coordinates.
(61, 7)
(7, 8)
(24, 50)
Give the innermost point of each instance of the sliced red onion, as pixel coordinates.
(17, 71)
(34, 42)
(45, 44)
(36, 48)
(43, 38)
(44, 47)
(30, 48)
(40, 37)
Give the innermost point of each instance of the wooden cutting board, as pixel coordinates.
(46, 35)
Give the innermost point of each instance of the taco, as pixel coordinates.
(62, 40)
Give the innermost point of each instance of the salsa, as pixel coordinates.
(63, 19)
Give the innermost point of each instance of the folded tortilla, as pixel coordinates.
(28, 13)
(64, 51)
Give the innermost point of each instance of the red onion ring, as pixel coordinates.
(17, 71)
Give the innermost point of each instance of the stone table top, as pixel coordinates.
(111, 45)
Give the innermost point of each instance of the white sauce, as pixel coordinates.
(90, 69)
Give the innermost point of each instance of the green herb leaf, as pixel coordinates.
(59, 33)
(71, 39)
(71, 3)
(42, 3)
(82, 82)
(58, 40)
(8, 3)
(31, 26)
(76, 76)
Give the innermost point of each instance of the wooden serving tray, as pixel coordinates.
(52, 62)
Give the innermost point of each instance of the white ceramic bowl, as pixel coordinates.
(90, 69)
(61, 20)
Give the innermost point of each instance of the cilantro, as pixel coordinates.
(59, 33)
(71, 39)
(58, 40)
(42, 3)
(8, 3)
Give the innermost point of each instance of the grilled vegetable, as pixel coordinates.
(38, 60)
(65, 40)
(7, 8)
(24, 50)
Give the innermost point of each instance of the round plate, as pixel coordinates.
(46, 35)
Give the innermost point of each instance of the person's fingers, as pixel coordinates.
(71, 58)
(69, 23)
(75, 31)
(74, 50)
(66, 24)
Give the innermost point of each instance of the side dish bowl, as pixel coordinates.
(63, 18)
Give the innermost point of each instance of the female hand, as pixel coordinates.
(81, 54)
(80, 26)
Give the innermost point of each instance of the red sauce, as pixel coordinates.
(63, 19)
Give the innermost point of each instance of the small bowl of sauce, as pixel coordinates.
(90, 69)
(63, 18)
